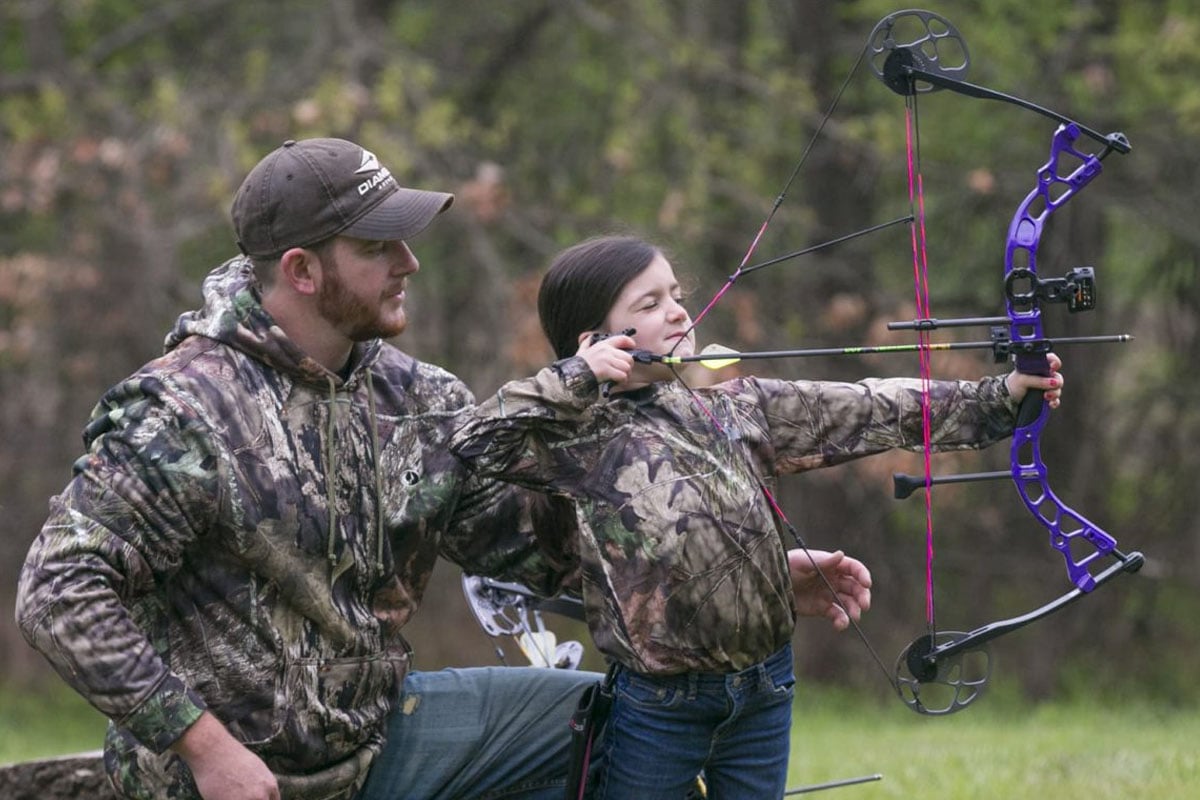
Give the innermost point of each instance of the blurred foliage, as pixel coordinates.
(125, 128)
(50, 722)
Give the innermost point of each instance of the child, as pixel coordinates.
(684, 574)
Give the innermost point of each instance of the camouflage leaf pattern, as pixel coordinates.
(248, 533)
(683, 560)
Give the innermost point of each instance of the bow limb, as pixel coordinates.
(959, 665)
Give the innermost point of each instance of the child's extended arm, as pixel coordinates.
(813, 424)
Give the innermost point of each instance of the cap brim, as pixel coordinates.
(402, 215)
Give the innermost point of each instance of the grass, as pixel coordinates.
(46, 723)
(1105, 749)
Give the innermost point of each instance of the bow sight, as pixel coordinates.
(1077, 289)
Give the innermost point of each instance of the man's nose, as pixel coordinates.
(404, 259)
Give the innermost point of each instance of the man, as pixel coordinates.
(227, 574)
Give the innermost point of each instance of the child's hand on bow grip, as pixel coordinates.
(1019, 383)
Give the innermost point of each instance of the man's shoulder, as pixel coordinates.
(200, 378)
(426, 384)
(204, 367)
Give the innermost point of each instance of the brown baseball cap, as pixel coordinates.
(309, 190)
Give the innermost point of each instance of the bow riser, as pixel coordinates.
(1029, 471)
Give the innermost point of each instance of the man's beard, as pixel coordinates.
(356, 319)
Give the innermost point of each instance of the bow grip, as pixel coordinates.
(1031, 404)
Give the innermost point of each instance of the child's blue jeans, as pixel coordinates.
(663, 731)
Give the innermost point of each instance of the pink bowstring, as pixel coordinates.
(920, 261)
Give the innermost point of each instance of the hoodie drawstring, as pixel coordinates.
(330, 477)
(378, 474)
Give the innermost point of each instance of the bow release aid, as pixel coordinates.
(606, 387)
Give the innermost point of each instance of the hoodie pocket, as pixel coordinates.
(335, 706)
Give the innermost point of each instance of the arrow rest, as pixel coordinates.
(936, 685)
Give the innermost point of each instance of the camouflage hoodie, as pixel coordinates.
(683, 562)
(248, 533)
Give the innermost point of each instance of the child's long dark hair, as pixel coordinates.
(578, 291)
(582, 284)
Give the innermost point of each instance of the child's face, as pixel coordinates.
(650, 304)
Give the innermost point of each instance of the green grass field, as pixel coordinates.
(54, 722)
(1101, 750)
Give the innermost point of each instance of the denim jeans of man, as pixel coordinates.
(736, 728)
(481, 733)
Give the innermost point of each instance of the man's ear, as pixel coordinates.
(301, 268)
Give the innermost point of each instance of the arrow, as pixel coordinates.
(717, 356)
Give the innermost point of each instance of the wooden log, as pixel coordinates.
(79, 776)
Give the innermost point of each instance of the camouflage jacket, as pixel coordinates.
(247, 534)
(683, 561)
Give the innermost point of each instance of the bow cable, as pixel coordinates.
(741, 270)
